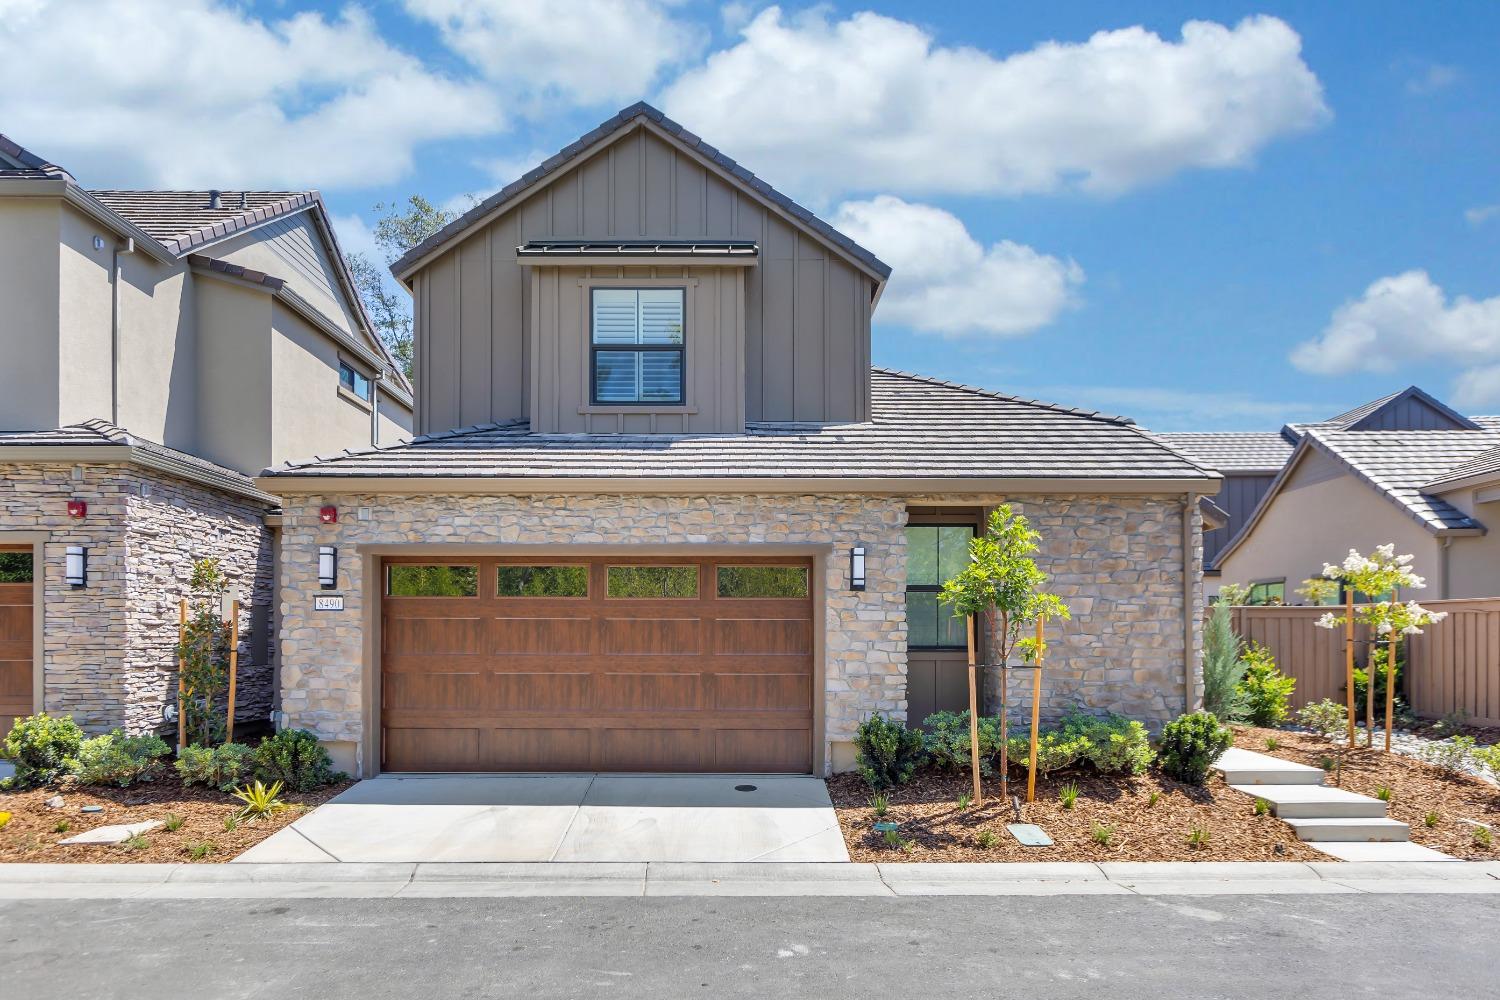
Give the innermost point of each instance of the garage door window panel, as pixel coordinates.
(653, 582)
(744, 582)
(431, 580)
(542, 581)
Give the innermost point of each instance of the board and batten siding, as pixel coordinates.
(1238, 497)
(806, 308)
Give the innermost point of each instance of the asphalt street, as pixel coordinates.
(1120, 947)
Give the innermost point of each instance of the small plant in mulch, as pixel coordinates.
(1272, 744)
(1198, 838)
(259, 800)
(986, 839)
(173, 823)
(880, 803)
(1430, 820)
(1068, 795)
(1384, 793)
(201, 849)
(965, 800)
(1153, 798)
(1483, 837)
(1101, 833)
(137, 843)
(62, 826)
(1262, 807)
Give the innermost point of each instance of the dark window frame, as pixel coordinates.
(679, 349)
(934, 588)
(351, 385)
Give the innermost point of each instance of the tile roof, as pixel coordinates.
(1484, 465)
(182, 220)
(641, 110)
(1402, 463)
(31, 165)
(922, 428)
(1233, 451)
(102, 433)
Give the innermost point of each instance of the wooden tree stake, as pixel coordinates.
(1390, 689)
(181, 674)
(1036, 709)
(234, 664)
(974, 716)
(1349, 657)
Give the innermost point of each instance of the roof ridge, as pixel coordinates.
(980, 391)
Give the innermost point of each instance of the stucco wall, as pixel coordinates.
(29, 293)
(1321, 512)
(1117, 561)
(108, 647)
(1474, 561)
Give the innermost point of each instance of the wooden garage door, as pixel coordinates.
(597, 664)
(15, 635)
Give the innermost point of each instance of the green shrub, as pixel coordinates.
(117, 759)
(219, 767)
(1190, 744)
(946, 741)
(295, 758)
(1113, 744)
(41, 747)
(1222, 666)
(887, 752)
(1055, 751)
(1488, 758)
(1454, 755)
(1264, 691)
(1327, 718)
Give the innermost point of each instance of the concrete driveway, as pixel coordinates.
(566, 817)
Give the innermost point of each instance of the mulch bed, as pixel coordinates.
(1416, 788)
(32, 833)
(936, 829)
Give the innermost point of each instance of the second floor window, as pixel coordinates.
(351, 378)
(636, 345)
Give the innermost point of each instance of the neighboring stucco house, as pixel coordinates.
(664, 516)
(160, 348)
(1405, 468)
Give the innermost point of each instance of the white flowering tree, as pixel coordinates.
(1380, 573)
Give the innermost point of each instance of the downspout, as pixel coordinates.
(114, 328)
(1443, 554)
(1188, 610)
(375, 409)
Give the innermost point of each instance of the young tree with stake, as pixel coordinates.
(1001, 581)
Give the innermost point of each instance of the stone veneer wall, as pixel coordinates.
(321, 652)
(1117, 560)
(110, 647)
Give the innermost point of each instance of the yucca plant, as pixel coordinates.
(1068, 795)
(259, 800)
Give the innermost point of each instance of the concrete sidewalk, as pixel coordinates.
(456, 880)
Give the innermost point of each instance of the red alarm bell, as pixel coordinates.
(77, 508)
(329, 515)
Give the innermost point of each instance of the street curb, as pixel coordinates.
(475, 880)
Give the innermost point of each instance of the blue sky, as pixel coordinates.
(1271, 216)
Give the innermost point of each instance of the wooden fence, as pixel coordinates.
(1453, 667)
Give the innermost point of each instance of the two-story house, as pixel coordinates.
(663, 515)
(159, 349)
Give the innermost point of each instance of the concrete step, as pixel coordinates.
(1388, 851)
(1352, 828)
(1314, 801)
(1246, 767)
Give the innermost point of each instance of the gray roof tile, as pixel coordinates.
(1233, 451)
(921, 428)
(182, 220)
(1486, 464)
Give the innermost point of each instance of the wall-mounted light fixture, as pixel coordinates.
(857, 568)
(328, 560)
(76, 566)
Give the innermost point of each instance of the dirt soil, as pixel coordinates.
(33, 835)
(934, 828)
(1416, 789)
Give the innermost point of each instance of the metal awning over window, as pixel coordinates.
(741, 252)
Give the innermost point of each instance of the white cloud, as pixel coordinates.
(194, 93)
(1431, 78)
(1477, 387)
(944, 281)
(580, 52)
(872, 103)
(1480, 214)
(1403, 318)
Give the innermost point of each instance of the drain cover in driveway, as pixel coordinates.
(744, 788)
